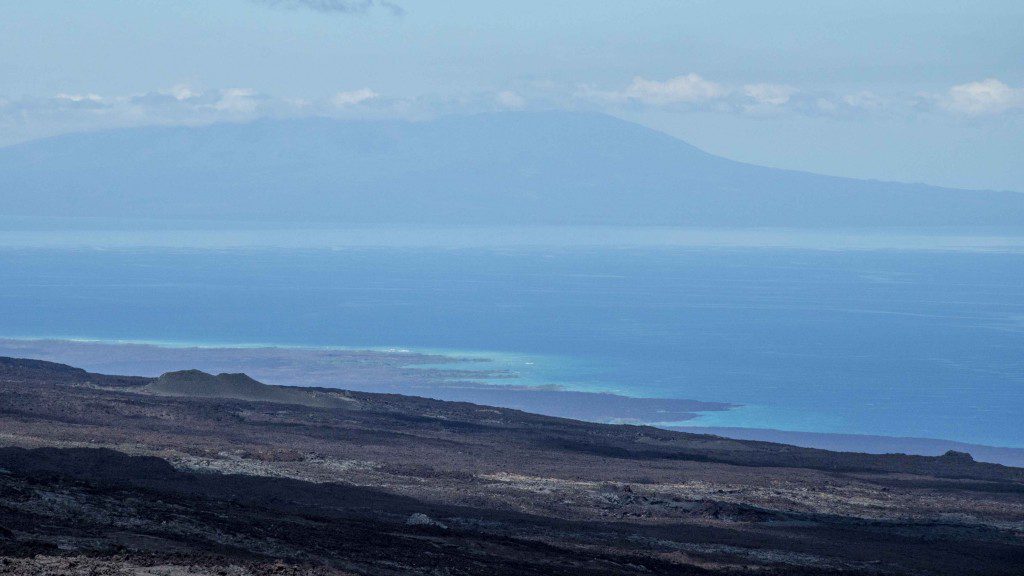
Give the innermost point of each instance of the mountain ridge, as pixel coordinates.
(537, 168)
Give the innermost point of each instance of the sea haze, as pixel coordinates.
(883, 341)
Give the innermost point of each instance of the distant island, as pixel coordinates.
(543, 168)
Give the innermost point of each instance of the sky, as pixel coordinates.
(920, 91)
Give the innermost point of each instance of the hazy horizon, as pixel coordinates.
(455, 115)
(928, 92)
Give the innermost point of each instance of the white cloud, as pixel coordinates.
(80, 97)
(864, 100)
(769, 94)
(353, 97)
(985, 97)
(510, 100)
(764, 99)
(183, 92)
(688, 89)
(237, 101)
(694, 92)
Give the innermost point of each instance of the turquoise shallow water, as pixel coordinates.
(890, 342)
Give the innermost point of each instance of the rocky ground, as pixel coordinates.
(196, 475)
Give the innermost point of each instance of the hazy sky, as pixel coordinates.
(929, 91)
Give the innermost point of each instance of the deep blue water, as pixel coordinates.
(904, 343)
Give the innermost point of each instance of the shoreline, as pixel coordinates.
(865, 443)
(458, 378)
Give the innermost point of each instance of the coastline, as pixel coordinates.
(457, 377)
(453, 377)
(865, 443)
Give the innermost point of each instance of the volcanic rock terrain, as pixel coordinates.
(192, 473)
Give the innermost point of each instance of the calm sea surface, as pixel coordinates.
(893, 342)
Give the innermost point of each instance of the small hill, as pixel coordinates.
(26, 370)
(199, 384)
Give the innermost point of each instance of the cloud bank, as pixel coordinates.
(29, 118)
(690, 88)
(693, 92)
(983, 98)
(33, 117)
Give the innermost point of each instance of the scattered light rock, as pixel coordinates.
(420, 519)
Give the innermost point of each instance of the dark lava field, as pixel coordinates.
(193, 473)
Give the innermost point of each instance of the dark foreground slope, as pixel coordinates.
(104, 475)
(551, 168)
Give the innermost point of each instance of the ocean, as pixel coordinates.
(922, 340)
